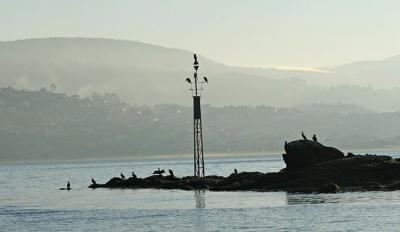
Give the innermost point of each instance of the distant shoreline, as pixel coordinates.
(190, 155)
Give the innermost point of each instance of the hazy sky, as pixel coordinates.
(284, 33)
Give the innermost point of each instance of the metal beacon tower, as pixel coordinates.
(198, 156)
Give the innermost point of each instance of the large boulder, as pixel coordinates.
(305, 153)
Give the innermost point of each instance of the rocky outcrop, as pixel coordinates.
(305, 153)
(359, 172)
(325, 170)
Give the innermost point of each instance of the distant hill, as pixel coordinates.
(44, 125)
(379, 73)
(147, 74)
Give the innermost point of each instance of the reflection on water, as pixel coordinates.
(345, 197)
(295, 199)
(200, 198)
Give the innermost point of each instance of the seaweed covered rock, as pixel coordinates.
(305, 153)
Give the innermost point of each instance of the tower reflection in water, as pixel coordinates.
(200, 198)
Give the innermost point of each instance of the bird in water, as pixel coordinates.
(314, 138)
(122, 176)
(188, 80)
(206, 80)
(303, 135)
(67, 188)
(93, 181)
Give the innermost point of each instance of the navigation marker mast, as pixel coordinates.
(198, 156)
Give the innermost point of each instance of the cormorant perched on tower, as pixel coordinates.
(171, 173)
(314, 138)
(188, 80)
(206, 80)
(122, 176)
(304, 136)
(195, 59)
(93, 181)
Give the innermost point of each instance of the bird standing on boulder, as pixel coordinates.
(235, 171)
(304, 136)
(314, 138)
(171, 173)
(93, 181)
(158, 172)
(122, 176)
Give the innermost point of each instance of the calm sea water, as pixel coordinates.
(30, 201)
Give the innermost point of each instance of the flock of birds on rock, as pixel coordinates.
(314, 138)
(160, 172)
(156, 172)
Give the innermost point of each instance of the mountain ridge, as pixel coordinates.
(147, 74)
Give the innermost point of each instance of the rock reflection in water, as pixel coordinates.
(295, 199)
(200, 198)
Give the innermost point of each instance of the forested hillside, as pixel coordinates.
(43, 124)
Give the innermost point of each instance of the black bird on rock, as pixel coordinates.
(122, 176)
(304, 136)
(171, 173)
(188, 80)
(286, 144)
(93, 181)
(159, 172)
(314, 138)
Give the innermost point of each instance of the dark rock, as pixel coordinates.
(317, 165)
(329, 188)
(349, 154)
(372, 186)
(116, 182)
(360, 172)
(393, 186)
(305, 153)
